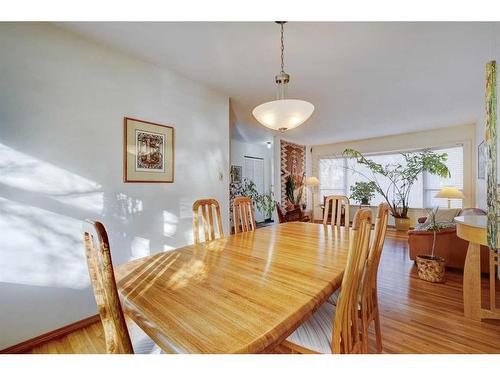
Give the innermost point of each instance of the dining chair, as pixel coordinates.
(368, 304)
(335, 328)
(207, 207)
(287, 216)
(243, 212)
(369, 310)
(336, 202)
(118, 338)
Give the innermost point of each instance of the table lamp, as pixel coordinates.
(312, 182)
(450, 193)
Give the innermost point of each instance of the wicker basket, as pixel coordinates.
(430, 268)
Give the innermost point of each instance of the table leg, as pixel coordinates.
(472, 283)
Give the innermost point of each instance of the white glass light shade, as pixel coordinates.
(283, 114)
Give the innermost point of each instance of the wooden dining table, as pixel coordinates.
(244, 293)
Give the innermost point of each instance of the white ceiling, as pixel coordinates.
(365, 79)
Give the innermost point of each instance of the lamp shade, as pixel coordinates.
(450, 193)
(312, 181)
(283, 114)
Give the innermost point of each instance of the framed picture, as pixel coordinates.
(148, 151)
(481, 161)
(236, 172)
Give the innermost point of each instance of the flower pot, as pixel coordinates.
(402, 223)
(430, 268)
(365, 201)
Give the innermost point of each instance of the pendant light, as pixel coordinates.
(283, 114)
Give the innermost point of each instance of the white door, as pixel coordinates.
(253, 170)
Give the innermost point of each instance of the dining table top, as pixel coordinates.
(244, 293)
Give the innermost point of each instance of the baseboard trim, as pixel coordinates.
(35, 341)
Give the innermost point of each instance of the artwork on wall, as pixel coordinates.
(293, 162)
(148, 151)
(236, 173)
(481, 161)
(491, 153)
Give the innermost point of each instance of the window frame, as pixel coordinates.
(392, 152)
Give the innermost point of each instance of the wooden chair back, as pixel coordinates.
(377, 245)
(336, 202)
(369, 298)
(346, 337)
(105, 291)
(281, 214)
(243, 212)
(207, 207)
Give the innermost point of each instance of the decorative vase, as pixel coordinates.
(365, 202)
(402, 223)
(430, 268)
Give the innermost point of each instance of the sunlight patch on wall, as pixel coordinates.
(90, 201)
(168, 248)
(27, 173)
(140, 247)
(128, 206)
(41, 248)
(169, 224)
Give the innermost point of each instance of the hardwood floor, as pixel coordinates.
(416, 316)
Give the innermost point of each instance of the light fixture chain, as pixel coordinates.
(282, 51)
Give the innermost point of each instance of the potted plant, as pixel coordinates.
(263, 203)
(363, 192)
(431, 268)
(401, 178)
(294, 187)
(266, 204)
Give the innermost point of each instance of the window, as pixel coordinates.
(432, 184)
(332, 177)
(360, 172)
(337, 175)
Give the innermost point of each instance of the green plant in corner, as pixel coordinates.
(401, 176)
(262, 202)
(363, 191)
(294, 187)
(265, 203)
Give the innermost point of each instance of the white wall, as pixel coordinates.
(62, 103)
(444, 137)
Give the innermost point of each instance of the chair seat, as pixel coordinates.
(316, 332)
(141, 342)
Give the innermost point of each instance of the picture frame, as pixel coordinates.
(148, 152)
(236, 173)
(481, 161)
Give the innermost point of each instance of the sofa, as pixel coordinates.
(448, 245)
